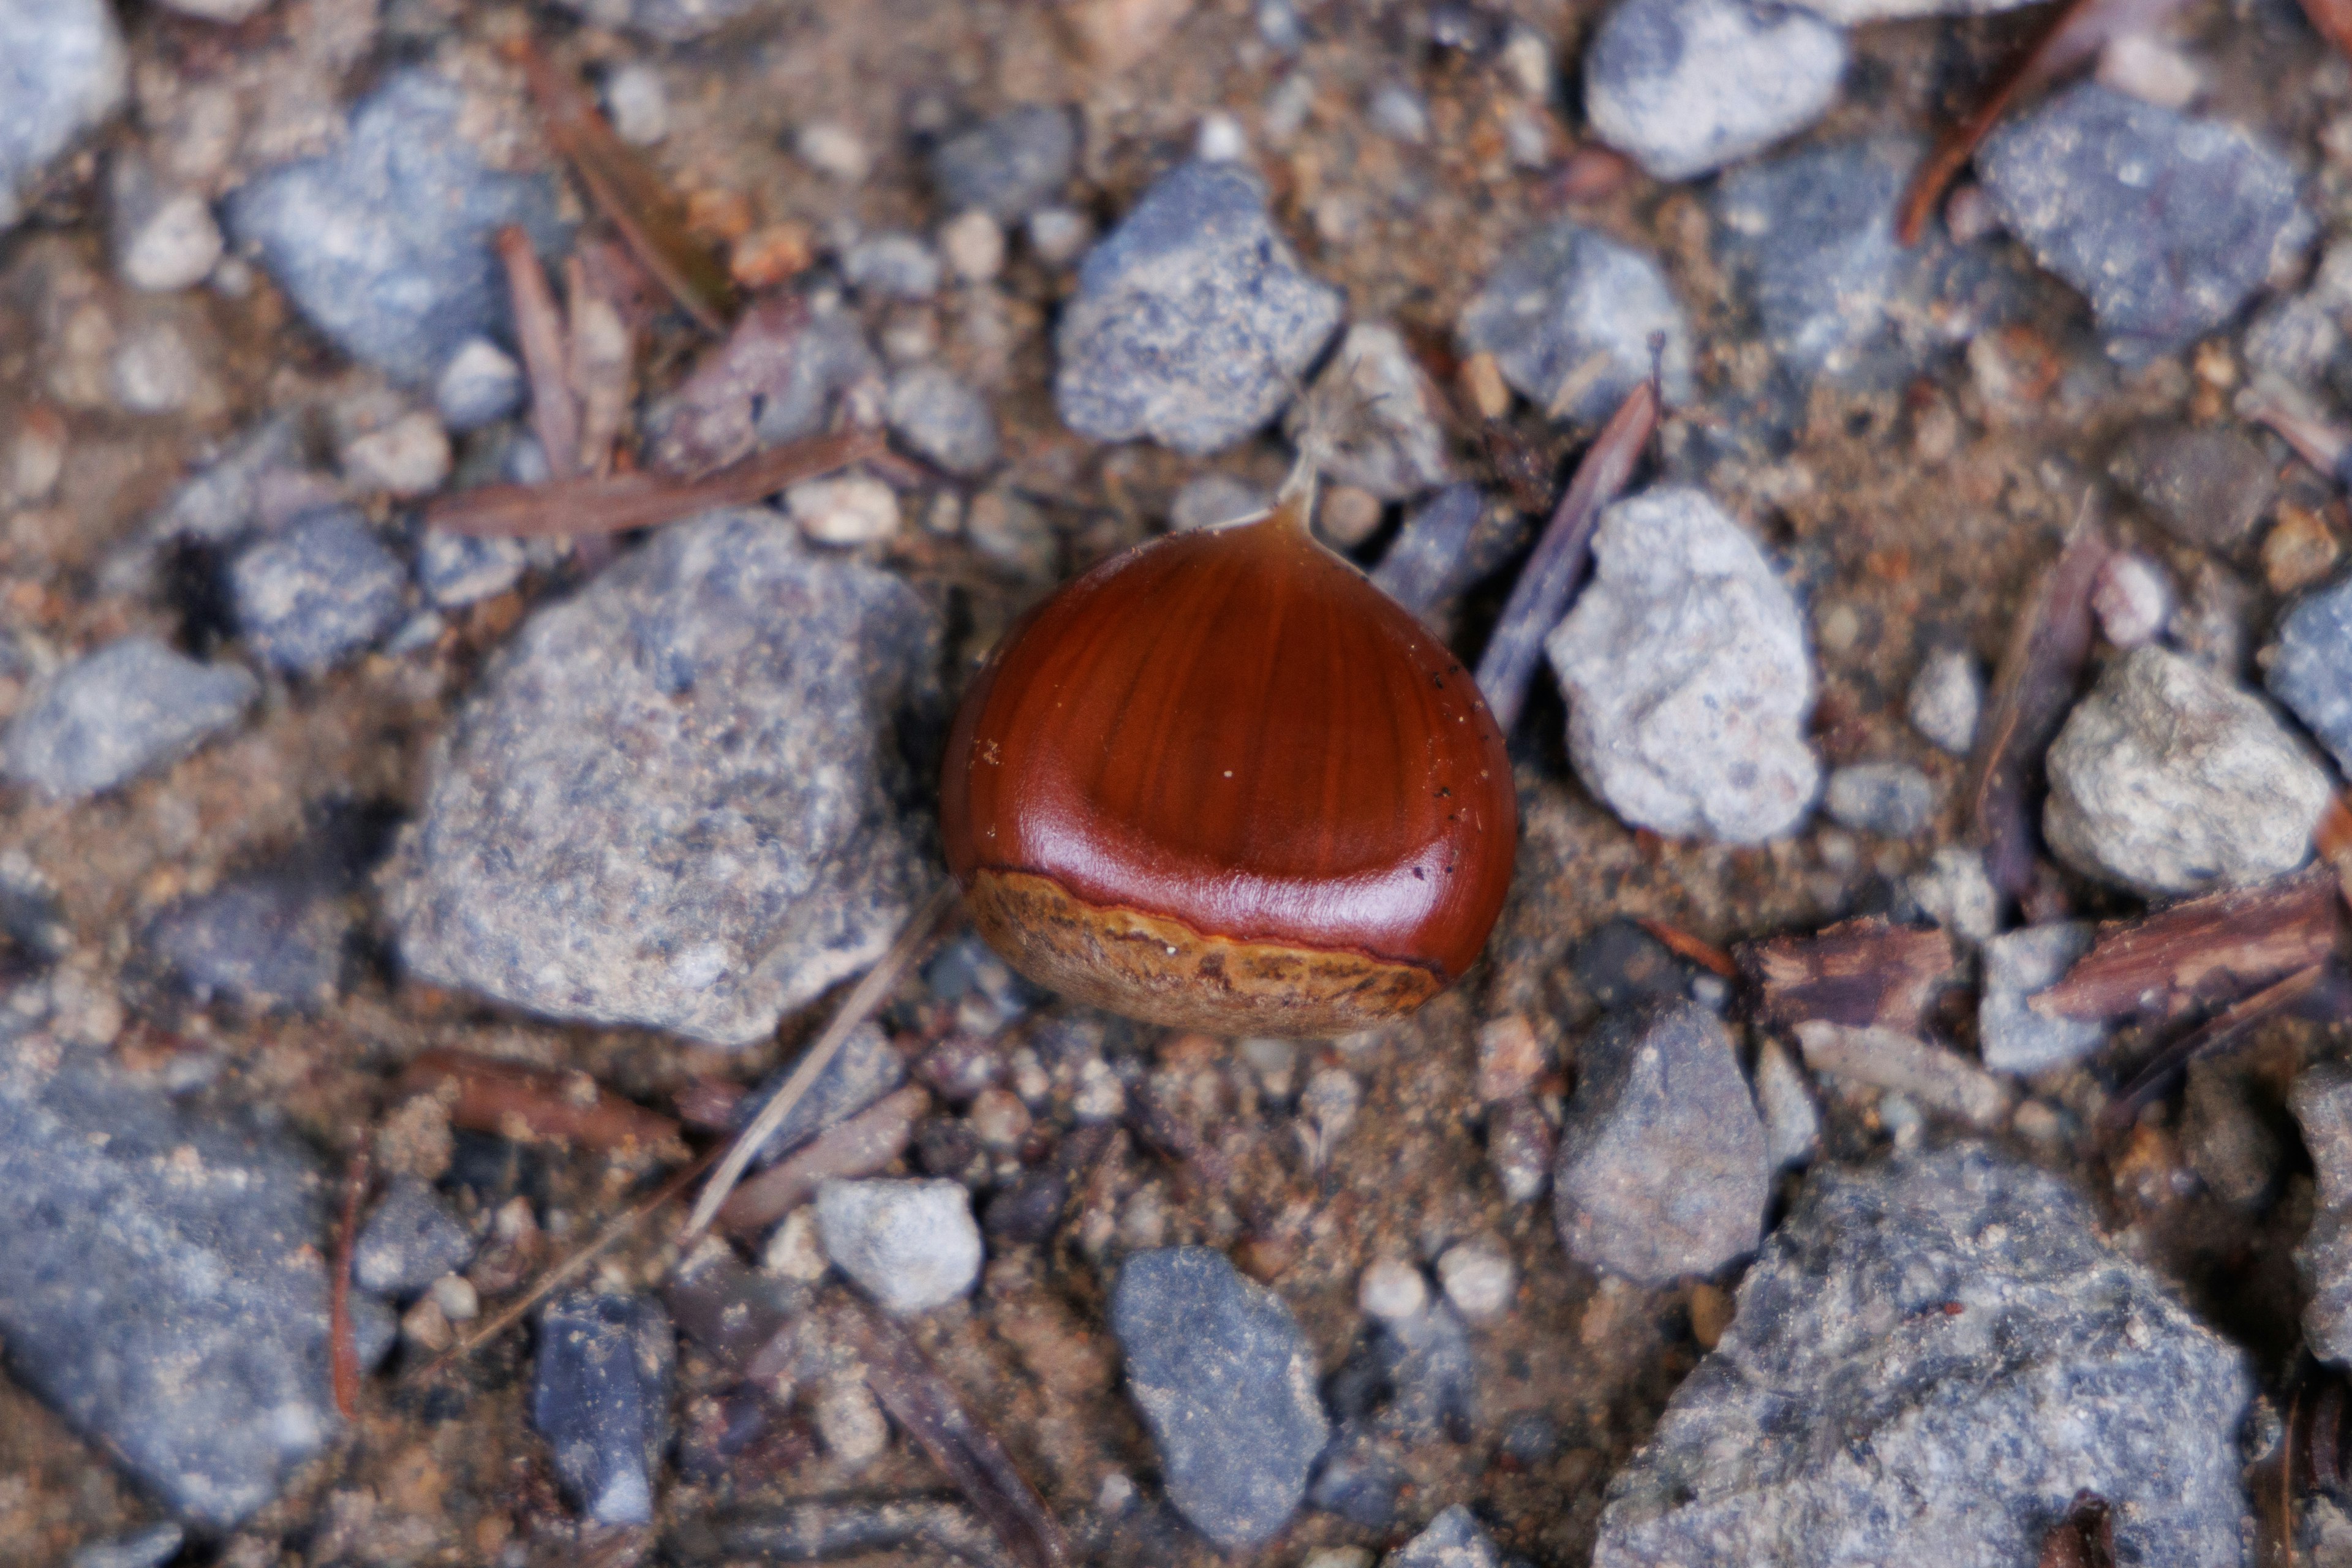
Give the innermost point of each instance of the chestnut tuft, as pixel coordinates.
(1222, 783)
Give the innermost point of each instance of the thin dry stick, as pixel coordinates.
(538, 331)
(343, 1354)
(869, 995)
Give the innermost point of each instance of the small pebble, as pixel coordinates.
(1398, 113)
(794, 1251)
(999, 1118)
(317, 594)
(1219, 140)
(1907, 1067)
(2310, 667)
(1059, 235)
(973, 245)
(1893, 800)
(1955, 892)
(1393, 1290)
(1478, 1279)
(1207, 500)
(1784, 1097)
(1687, 86)
(845, 511)
(164, 238)
(409, 1241)
(427, 1327)
(2132, 600)
(157, 371)
(148, 1548)
(1510, 1058)
(892, 264)
(910, 1245)
(2299, 551)
(102, 720)
(831, 148)
(2148, 69)
(406, 459)
(1520, 1149)
(455, 1294)
(2012, 1034)
(849, 1422)
(1569, 314)
(481, 384)
(1009, 167)
(1946, 697)
(944, 420)
(639, 104)
(456, 569)
(600, 1398)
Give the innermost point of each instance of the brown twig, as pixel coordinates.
(538, 331)
(343, 1354)
(2085, 1538)
(860, 1146)
(867, 994)
(529, 1104)
(1864, 974)
(628, 501)
(1540, 596)
(2223, 1029)
(2073, 38)
(1683, 944)
(631, 196)
(2202, 951)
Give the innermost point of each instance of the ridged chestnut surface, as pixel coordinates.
(1222, 781)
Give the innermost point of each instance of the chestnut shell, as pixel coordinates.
(1224, 783)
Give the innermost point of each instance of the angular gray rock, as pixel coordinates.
(943, 420)
(2310, 667)
(1009, 166)
(910, 1245)
(1894, 799)
(2168, 223)
(317, 593)
(2209, 485)
(1569, 314)
(64, 73)
(2011, 1035)
(1225, 1383)
(456, 569)
(1944, 699)
(1662, 1170)
(111, 715)
(409, 1241)
(1931, 1356)
(385, 243)
(1192, 319)
(600, 1398)
(163, 1281)
(2322, 1103)
(2166, 779)
(1685, 86)
(1453, 1540)
(1686, 671)
(675, 800)
(270, 941)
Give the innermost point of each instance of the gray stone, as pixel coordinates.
(1225, 1383)
(1569, 314)
(273, 941)
(110, 716)
(1685, 86)
(1662, 1170)
(2322, 1103)
(672, 21)
(675, 800)
(1010, 167)
(1944, 699)
(910, 1245)
(456, 569)
(62, 73)
(163, 1281)
(1373, 418)
(2310, 667)
(892, 264)
(409, 1241)
(1893, 799)
(317, 594)
(1931, 1356)
(781, 385)
(1784, 1103)
(1685, 667)
(1453, 1540)
(386, 243)
(164, 237)
(866, 1068)
(600, 1398)
(2209, 485)
(1809, 237)
(1955, 892)
(1925, 1075)
(481, 384)
(224, 500)
(2011, 1036)
(2229, 1143)
(1854, 12)
(2167, 779)
(148, 1548)
(1192, 320)
(944, 420)
(2169, 223)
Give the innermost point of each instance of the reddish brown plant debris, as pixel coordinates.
(530, 1105)
(2202, 951)
(866, 1144)
(2222, 1030)
(711, 419)
(2085, 1538)
(1682, 945)
(344, 1353)
(538, 331)
(1864, 974)
(2332, 838)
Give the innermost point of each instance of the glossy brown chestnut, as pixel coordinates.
(1224, 783)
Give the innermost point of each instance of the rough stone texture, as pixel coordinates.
(385, 243)
(673, 801)
(1010, 167)
(600, 1399)
(2209, 485)
(2310, 667)
(319, 592)
(2167, 223)
(456, 569)
(1662, 1170)
(866, 1068)
(409, 1241)
(2322, 1103)
(2011, 1035)
(62, 71)
(162, 1283)
(1453, 1540)
(910, 1245)
(1784, 1102)
(1569, 314)
(943, 420)
(1227, 1385)
(1687, 86)
(1684, 668)
(110, 716)
(2166, 779)
(1851, 1415)
(1192, 320)
(1809, 237)
(1374, 418)
(273, 941)
(1944, 699)
(1891, 798)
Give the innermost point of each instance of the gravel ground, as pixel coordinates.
(1606, 1255)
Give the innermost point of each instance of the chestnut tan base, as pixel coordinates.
(1163, 971)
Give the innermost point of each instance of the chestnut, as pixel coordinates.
(1221, 782)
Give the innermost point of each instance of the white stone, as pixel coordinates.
(1784, 1101)
(1392, 1290)
(455, 1294)
(1221, 138)
(406, 459)
(480, 385)
(849, 1422)
(2013, 1035)
(2132, 600)
(639, 104)
(1684, 87)
(833, 149)
(794, 1251)
(910, 1245)
(973, 245)
(851, 510)
(1059, 235)
(1478, 1279)
(2151, 70)
(1956, 893)
(164, 239)
(1947, 696)
(155, 371)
